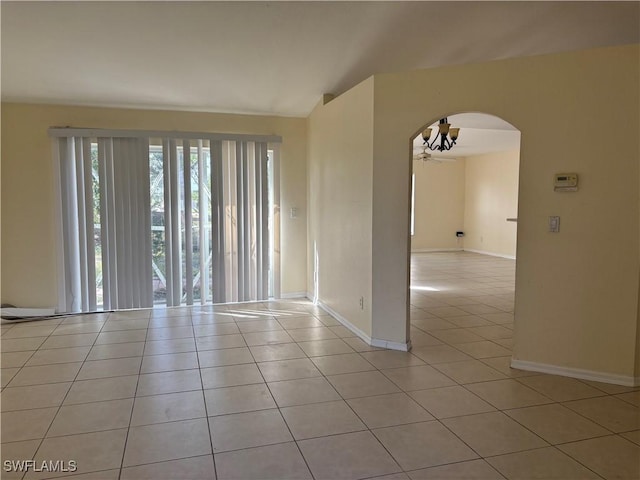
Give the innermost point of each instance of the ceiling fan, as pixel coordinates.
(428, 157)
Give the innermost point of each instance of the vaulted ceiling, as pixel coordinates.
(272, 57)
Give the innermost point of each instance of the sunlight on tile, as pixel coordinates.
(282, 390)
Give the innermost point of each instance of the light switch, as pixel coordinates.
(294, 212)
(554, 224)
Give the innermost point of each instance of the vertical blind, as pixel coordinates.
(146, 216)
(123, 215)
(238, 245)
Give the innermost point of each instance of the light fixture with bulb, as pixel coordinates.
(444, 140)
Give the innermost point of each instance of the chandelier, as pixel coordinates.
(444, 140)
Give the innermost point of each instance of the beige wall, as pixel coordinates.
(491, 196)
(439, 205)
(577, 290)
(340, 192)
(474, 194)
(28, 250)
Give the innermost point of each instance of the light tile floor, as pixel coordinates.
(281, 390)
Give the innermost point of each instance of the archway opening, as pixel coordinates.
(463, 236)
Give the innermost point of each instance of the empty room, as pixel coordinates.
(320, 240)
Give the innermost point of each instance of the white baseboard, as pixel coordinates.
(294, 295)
(493, 254)
(27, 312)
(374, 342)
(603, 377)
(403, 347)
(433, 250)
(346, 323)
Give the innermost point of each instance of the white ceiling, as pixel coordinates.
(479, 134)
(271, 57)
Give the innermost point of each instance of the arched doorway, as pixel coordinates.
(463, 236)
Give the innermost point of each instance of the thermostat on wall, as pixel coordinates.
(565, 182)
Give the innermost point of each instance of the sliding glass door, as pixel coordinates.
(165, 220)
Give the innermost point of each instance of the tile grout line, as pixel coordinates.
(204, 399)
(133, 405)
(293, 438)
